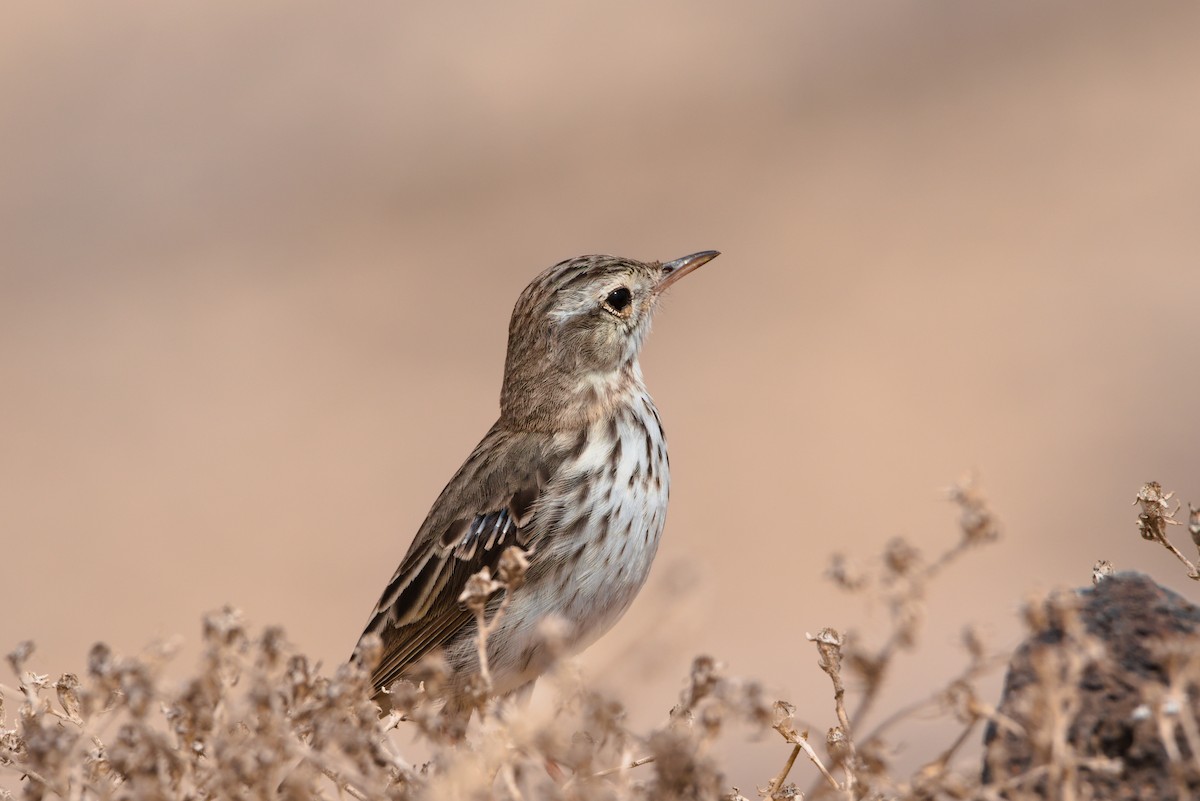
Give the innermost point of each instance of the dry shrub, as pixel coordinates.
(258, 721)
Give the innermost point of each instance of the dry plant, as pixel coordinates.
(1157, 515)
(258, 721)
(861, 759)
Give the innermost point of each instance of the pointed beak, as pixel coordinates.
(672, 271)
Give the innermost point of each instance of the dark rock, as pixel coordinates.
(1110, 664)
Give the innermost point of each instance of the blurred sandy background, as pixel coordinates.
(258, 261)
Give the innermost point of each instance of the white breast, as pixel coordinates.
(632, 497)
(608, 506)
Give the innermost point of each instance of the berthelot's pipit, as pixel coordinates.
(575, 472)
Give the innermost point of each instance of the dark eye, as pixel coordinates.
(618, 299)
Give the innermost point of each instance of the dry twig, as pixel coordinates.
(1157, 515)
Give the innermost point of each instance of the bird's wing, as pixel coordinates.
(486, 507)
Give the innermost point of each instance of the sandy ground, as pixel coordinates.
(259, 260)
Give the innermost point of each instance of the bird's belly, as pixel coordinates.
(595, 589)
(608, 518)
(581, 599)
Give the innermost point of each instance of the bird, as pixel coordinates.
(574, 472)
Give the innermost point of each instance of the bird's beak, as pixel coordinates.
(672, 271)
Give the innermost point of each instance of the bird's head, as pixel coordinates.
(575, 334)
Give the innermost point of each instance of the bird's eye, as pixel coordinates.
(618, 299)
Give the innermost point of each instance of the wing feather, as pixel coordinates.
(487, 506)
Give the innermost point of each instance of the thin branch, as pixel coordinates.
(816, 760)
(637, 763)
(777, 783)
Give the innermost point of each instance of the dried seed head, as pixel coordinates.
(840, 573)
(512, 566)
(1156, 512)
(1101, 570)
(783, 721)
(100, 661)
(68, 695)
(432, 673)
(138, 687)
(838, 744)
(478, 589)
(18, 656)
(224, 628)
(37, 681)
(701, 682)
(829, 647)
(475, 693)
(976, 520)
(960, 698)
(272, 645)
(369, 651)
(899, 557)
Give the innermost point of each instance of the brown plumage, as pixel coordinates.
(575, 472)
